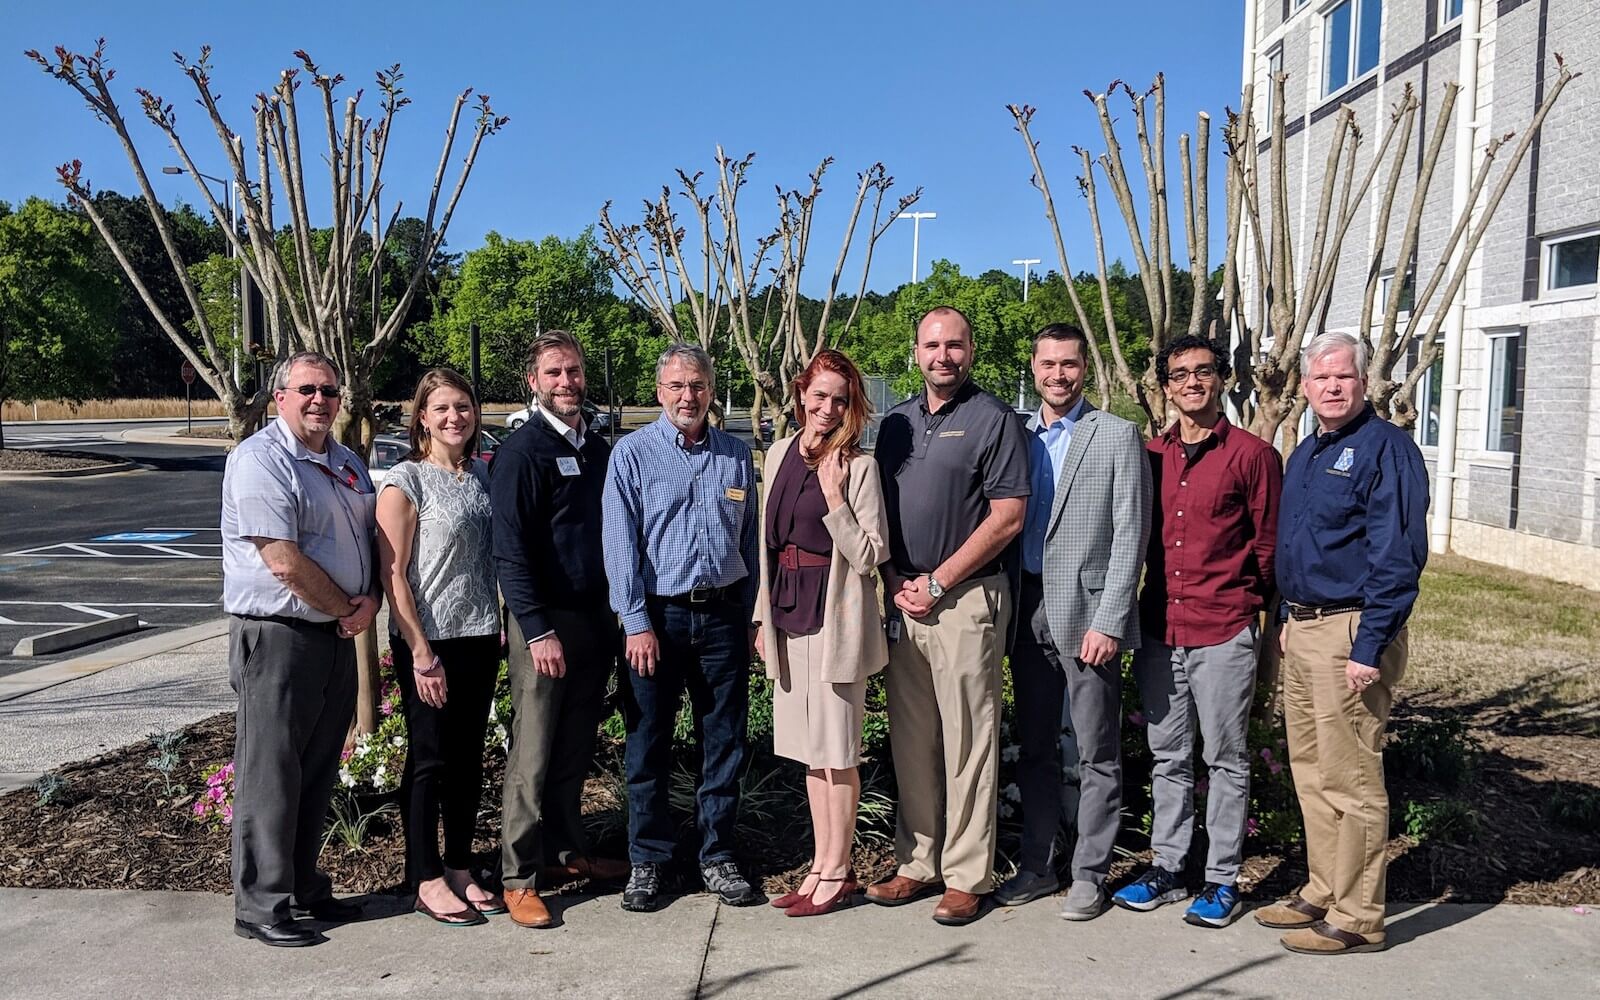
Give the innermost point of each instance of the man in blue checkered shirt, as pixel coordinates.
(680, 511)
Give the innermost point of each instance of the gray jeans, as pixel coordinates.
(1215, 685)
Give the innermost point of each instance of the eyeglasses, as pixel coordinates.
(676, 388)
(328, 391)
(1204, 373)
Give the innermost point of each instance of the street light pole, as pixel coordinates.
(916, 235)
(1025, 262)
(233, 221)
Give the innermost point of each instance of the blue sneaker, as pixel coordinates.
(1216, 906)
(1154, 888)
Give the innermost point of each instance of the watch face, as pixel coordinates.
(934, 589)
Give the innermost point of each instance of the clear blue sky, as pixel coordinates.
(607, 98)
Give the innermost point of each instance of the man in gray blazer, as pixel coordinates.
(1083, 543)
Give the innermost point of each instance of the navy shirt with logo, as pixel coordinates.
(1352, 527)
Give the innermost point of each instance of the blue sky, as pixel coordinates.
(606, 99)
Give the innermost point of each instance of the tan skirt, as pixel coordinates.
(814, 722)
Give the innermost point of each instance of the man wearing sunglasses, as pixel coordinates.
(298, 583)
(1208, 574)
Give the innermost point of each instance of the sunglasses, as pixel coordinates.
(328, 391)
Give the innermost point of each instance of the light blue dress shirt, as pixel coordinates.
(1047, 450)
(678, 516)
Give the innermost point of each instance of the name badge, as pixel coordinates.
(952, 434)
(735, 494)
(567, 465)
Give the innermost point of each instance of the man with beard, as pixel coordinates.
(954, 466)
(682, 560)
(1208, 574)
(545, 484)
(1082, 548)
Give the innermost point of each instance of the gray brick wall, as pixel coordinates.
(1489, 495)
(1555, 433)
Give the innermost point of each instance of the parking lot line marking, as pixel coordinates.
(114, 604)
(172, 551)
(90, 611)
(181, 529)
(72, 550)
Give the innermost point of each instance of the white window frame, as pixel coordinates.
(1493, 339)
(1446, 19)
(1547, 260)
(1423, 390)
(1275, 53)
(1379, 304)
(1355, 76)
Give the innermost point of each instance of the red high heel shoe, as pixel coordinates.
(789, 899)
(809, 907)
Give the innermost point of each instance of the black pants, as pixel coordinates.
(444, 762)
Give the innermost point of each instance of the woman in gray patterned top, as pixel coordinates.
(444, 619)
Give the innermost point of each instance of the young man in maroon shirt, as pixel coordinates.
(1208, 574)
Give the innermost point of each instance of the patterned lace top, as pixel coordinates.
(452, 561)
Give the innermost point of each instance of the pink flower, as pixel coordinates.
(386, 709)
(200, 808)
(1275, 768)
(227, 814)
(346, 754)
(1251, 827)
(1266, 753)
(217, 795)
(1136, 718)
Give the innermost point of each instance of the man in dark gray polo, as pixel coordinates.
(298, 583)
(954, 464)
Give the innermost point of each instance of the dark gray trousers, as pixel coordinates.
(552, 742)
(1041, 677)
(296, 683)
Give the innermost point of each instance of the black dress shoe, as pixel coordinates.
(284, 934)
(332, 911)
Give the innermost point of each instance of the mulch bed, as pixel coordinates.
(32, 460)
(111, 827)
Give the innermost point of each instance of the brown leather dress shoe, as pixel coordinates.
(527, 909)
(593, 869)
(900, 890)
(957, 908)
(1322, 938)
(1289, 914)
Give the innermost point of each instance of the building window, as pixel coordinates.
(1449, 12)
(1351, 32)
(1572, 263)
(1408, 292)
(1274, 67)
(1502, 415)
(1430, 394)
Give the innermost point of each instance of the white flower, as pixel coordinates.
(380, 777)
(1006, 810)
(346, 778)
(1011, 793)
(494, 712)
(1011, 753)
(398, 741)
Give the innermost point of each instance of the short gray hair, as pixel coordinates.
(280, 374)
(691, 354)
(1327, 343)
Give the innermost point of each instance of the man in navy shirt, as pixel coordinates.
(1352, 541)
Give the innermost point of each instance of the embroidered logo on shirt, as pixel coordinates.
(735, 494)
(567, 465)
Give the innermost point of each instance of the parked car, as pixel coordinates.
(598, 420)
(389, 450)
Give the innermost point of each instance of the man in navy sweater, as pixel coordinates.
(546, 483)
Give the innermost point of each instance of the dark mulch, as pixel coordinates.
(35, 460)
(208, 432)
(112, 827)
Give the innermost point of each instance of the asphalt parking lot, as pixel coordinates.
(142, 542)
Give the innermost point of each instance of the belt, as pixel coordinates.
(328, 626)
(702, 595)
(1307, 612)
(794, 557)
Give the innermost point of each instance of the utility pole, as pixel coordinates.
(916, 236)
(233, 221)
(1025, 262)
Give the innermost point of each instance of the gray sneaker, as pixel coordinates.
(1084, 901)
(1025, 887)
(723, 878)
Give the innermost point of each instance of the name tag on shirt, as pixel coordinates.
(952, 434)
(735, 494)
(567, 465)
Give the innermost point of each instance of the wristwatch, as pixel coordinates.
(935, 588)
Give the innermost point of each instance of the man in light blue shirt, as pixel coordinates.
(680, 535)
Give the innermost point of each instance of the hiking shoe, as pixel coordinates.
(643, 890)
(723, 878)
(1085, 901)
(1025, 887)
(1156, 887)
(1216, 906)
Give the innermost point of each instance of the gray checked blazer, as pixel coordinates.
(1095, 540)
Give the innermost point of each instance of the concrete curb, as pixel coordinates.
(48, 676)
(172, 437)
(55, 641)
(25, 475)
(107, 420)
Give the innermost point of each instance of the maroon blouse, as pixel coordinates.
(795, 507)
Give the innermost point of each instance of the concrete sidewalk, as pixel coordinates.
(146, 944)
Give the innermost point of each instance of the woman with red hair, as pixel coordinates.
(821, 632)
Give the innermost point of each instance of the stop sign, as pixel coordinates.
(187, 373)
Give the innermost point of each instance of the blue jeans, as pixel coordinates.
(705, 648)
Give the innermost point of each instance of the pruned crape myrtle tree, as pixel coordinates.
(1295, 280)
(315, 281)
(707, 286)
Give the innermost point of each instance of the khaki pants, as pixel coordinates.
(944, 727)
(1336, 756)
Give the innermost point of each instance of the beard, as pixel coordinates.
(562, 406)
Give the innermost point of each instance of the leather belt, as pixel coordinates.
(703, 595)
(303, 623)
(794, 557)
(1308, 612)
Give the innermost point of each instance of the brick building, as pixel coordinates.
(1523, 478)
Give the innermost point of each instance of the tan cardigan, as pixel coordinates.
(853, 643)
